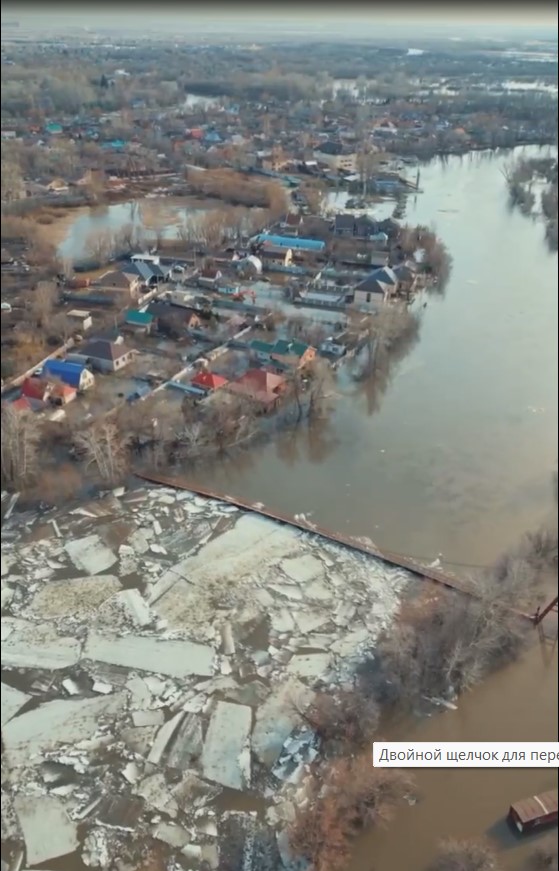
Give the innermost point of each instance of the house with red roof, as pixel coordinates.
(36, 388)
(260, 386)
(209, 381)
(21, 404)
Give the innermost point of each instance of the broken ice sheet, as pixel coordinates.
(311, 665)
(177, 659)
(32, 646)
(226, 753)
(90, 555)
(48, 831)
(73, 597)
(63, 721)
(277, 717)
(12, 701)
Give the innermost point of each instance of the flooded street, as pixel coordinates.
(455, 456)
(149, 214)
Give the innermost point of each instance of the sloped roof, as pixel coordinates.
(384, 275)
(21, 404)
(34, 388)
(294, 242)
(142, 319)
(209, 381)
(262, 380)
(101, 349)
(69, 373)
(290, 348)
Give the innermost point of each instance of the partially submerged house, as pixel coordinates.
(283, 354)
(260, 386)
(376, 289)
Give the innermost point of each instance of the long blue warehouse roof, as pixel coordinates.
(292, 242)
(69, 373)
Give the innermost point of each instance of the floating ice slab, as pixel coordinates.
(12, 701)
(48, 831)
(226, 753)
(63, 721)
(90, 555)
(173, 658)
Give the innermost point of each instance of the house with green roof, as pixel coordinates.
(284, 353)
(139, 321)
(292, 354)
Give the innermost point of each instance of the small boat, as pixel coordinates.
(534, 812)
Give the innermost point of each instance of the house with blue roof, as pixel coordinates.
(293, 242)
(73, 374)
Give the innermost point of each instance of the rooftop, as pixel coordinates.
(293, 242)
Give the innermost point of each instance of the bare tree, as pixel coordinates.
(63, 327)
(68, 268)
(212, 226)
(452, 646)
(42, 301)
(12, 187)
(344, 722)
(295, 389)
(464, 856)
(20, 444)
(321, 384)
(105, 448)
(315, 194)
(346, 795)
(99, 245)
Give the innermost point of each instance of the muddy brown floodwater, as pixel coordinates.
(455, 457)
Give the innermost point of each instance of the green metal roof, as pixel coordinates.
(263, 347)
(290, 348)
(143, 319)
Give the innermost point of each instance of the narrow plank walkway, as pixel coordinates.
(437, 576)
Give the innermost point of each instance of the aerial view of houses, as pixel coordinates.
(279, 402)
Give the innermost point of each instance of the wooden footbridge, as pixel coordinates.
(437, 576)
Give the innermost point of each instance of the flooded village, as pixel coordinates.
(269, 456)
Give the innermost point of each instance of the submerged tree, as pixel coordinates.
(464, 856)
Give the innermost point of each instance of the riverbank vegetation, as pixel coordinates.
(475, 856)
(532, 187)
(464, 856)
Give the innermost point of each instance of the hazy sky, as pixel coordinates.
(262, 16)
(440, 13)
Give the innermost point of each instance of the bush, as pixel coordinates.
(464, 856)
(544, 857)
(346, 796)
(345, 722)
(447, 649)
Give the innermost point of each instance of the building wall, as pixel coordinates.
(87, 380)
(345, 162)
(370, 300)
